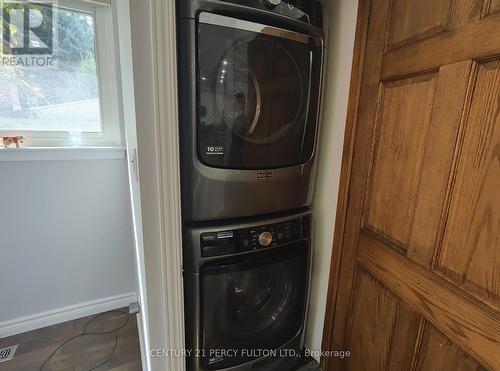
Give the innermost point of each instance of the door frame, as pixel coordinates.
(152, 134)
(362, 22)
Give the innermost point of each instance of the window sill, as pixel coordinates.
(61, 153)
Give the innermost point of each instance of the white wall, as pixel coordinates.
(65, 239)
(341, 21)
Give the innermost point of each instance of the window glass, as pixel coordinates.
(61, 97)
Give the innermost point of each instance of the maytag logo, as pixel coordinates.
(264, 175)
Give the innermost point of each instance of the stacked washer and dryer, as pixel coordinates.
(250, 74)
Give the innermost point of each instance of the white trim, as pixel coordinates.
(154, 51)
(61, 154)
(165, 71)
(99, 2)
(121, 11)
(69, 313)
(108, 74)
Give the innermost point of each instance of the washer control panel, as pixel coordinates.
(226, 242)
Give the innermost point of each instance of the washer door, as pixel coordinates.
(254, 92)
(253, 306)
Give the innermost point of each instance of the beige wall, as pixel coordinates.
(341, 24)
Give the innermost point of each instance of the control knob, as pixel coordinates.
(272, 3)
(265, 239)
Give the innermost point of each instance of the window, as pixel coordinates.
(67, 96)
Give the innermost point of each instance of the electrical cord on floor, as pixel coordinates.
(84, 332)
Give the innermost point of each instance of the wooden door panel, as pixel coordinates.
(382, 331)
(438, 353)
(492, 6)
(406, 27)
(468, 322)
(477, 40)
(415, 20)
(453, 84)
(415, 276)
(462, 12)
(417, 130)
(404, 117)
(470, 252)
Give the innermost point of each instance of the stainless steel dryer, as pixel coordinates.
(250, 83)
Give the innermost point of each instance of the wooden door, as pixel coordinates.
(415, 277)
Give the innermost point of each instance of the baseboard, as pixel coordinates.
(69, 313)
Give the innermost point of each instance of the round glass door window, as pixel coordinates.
(255, 304)
(259, 92)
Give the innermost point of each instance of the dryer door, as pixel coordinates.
(252, 306)
(258, 92)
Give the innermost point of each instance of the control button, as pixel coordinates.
(208, 236)
(272, 3)
(265, 239)
(208, 239)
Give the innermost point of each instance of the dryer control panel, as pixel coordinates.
(296, 9)
(226, 242)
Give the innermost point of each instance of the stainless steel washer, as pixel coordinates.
(246, 287)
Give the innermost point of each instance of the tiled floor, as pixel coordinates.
(80, 354)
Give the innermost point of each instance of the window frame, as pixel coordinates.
(111, 134)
